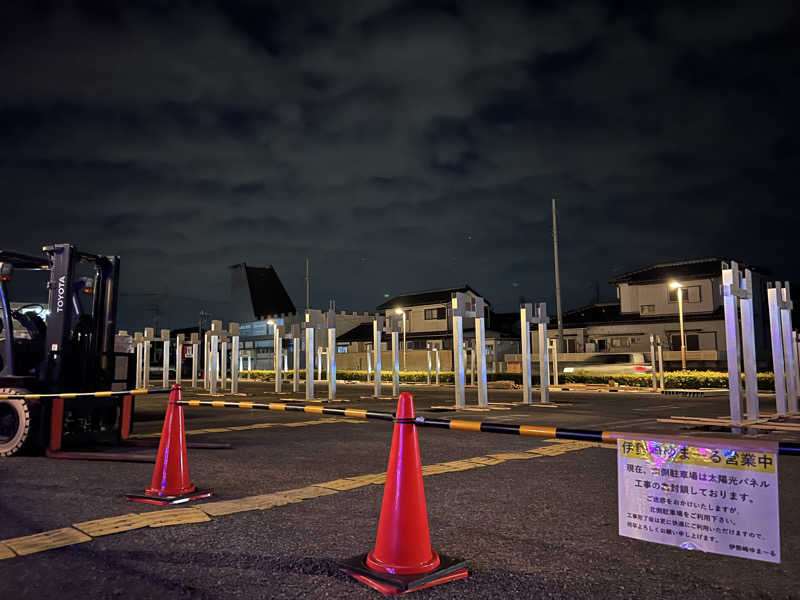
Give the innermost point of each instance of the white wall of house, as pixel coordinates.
(657, 299)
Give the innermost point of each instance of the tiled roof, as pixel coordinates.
(442, 296)
(685, 269)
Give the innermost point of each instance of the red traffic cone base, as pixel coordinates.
(403, 560)
(170, 483)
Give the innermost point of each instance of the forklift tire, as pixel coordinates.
(17, 423)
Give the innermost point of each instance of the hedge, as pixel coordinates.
(672, 379)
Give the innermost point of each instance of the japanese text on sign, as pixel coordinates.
(700, 497)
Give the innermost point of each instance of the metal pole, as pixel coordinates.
(544, 363)
(165, 358)
(555, 363)
(308, 283)
(276, 350)
(212, 364)
(195, 351)
(405, 344)
(206, 360)
(179, 339)
(480, 350)
(653, 359)
(395, 365)
(525, 338)
(776, 339)
(660, 363)
(296, 363)
(235, 365)
(377, 331)
(683, 335)
(558, 277)
(458, 361)
(788, 348)
(309, 361)
(749, 346)
(224, 365)
(369, 366)
(146, 365)
(331, 363)
(319, 363)
(729, 279)
(438, 365)
(428, 364)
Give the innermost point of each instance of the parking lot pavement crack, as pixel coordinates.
(88, 530)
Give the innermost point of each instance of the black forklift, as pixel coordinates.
(67, 346)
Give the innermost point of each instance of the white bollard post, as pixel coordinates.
(428, 374)
(788, 348)
(660, 363)
(277, 350)
(309, 360)
(438, 365)
(526, 317)
(233, 329)
(730, 299)
(458, 304)
(480, 351)
(331, 355)
(774, 301)
(165, 361)
(653, 360)
(544, 362)
(377, 335)
(213, 371)
(554, 350)
(369, 366)
(748, 338)
(137, 339)
(296, 341)
(179, 341)
(149, 336)
(195, 341)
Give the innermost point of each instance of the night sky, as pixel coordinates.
(401, 145)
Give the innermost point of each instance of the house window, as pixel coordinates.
(435, 314)
(647, 309)
(572, 344)
(341, 349)
(690, 294)
(692, 341)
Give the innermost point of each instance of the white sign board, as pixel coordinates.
(709, 495)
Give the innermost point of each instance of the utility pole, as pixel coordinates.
(308, 283)
(558, 280)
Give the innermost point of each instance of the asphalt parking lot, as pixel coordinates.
(532, 517)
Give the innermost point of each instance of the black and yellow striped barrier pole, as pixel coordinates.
(70, 396)
(564, 433)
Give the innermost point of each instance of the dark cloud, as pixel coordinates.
(401, 145)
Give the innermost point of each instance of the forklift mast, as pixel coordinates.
(79, 350)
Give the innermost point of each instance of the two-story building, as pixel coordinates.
(648, 305)
(429, 324)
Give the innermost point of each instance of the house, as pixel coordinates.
(648, 305)
(429, 324)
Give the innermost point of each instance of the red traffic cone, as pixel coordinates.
(403, 560)
(170, 483)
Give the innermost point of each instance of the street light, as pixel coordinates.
(675, 285)
(400, 311)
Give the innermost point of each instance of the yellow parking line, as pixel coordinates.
(87, 530)
(47, 540)
(6, 552)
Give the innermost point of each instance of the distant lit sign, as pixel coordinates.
(253, 329)
(698, 494)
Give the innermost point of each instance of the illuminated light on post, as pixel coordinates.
(675, 285)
